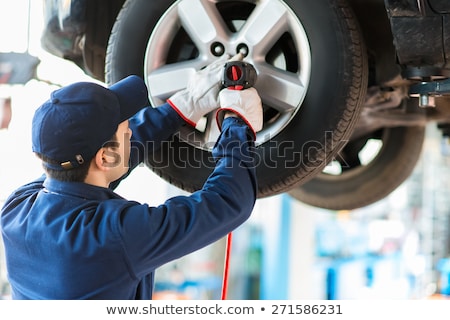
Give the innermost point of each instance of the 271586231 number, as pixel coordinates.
(306, 309)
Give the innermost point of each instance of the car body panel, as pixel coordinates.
(65, 23)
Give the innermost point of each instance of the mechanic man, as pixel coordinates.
(67, 235)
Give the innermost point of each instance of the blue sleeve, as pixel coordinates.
(150, 127)
(153, 236)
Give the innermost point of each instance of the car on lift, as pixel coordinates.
(338, 79)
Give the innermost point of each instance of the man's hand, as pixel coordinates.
(246, 104)
(201, 95)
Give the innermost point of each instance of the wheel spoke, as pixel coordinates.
(265, 26)
(348, 160)
(201, 21)
(349, 156)
(171, 78)
(279, 89)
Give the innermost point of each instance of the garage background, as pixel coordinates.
(396, 248)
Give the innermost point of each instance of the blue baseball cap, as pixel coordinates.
(78, 119)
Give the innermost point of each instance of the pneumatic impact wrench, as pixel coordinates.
(238, 75)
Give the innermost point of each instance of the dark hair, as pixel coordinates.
(77, 174)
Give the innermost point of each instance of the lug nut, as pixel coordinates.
(217, 49)
(242, 48)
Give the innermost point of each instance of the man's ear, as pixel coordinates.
(99, 160)
(105, 158)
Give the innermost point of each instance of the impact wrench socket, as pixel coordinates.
(238, 75)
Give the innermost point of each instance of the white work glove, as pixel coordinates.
(244, 103)
(201, 95)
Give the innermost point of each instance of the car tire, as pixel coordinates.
(319, 123)
(362, 185)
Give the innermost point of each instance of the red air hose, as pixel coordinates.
(226, 266)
